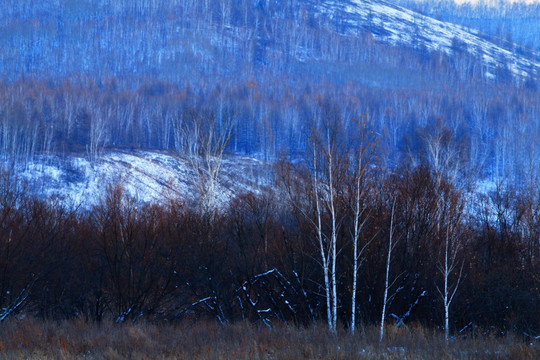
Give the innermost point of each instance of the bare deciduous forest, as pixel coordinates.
(272, 255)
(372, 236)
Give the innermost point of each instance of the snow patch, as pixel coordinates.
(145, 175)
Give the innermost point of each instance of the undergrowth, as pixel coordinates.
(35, 339)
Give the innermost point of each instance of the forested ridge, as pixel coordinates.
(268, 66)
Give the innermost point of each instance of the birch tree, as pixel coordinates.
(451, 207)
(387, 285)
(320, 201)
(203, 140)
(330, 165)
(323, 197)
(98, 131)
(361, 162)
(444, 156)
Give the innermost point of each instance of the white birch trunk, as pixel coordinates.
(445, 298)
(355, 274)
(450, 263)
(356, 236)
(388, 261)
(321, 245)
(333, 244)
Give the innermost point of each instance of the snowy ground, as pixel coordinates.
(156, 177)
(397, 25)
(148, 176)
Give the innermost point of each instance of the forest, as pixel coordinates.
(267, 67)
(373, 214)
(336, 239)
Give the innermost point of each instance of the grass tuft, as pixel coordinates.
(33, 339)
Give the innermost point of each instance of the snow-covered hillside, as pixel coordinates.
(148, 176)
(397, 25)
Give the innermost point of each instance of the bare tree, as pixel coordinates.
(202, 137)
(317, 195)
(444, 156)
(387, 284)
(203, 140)
(451, 207)
(326, 258)
(362, 161)
(98, 133)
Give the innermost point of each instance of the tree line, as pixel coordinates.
(339, 238)
(77, 115)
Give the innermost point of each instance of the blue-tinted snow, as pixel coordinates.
(398, 25)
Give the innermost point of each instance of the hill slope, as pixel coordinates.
(149, 177)
(400, 26)
(91, 77)
(179, 39)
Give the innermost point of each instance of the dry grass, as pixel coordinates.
(32, 339)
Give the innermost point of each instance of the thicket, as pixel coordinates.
(259, 258)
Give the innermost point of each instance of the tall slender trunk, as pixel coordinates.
(333, 237)
(451, 250)
(356, 236)
(355, 274)
(325, 271)
(321, 246)
(333, 247)
(446, 304)
(388, 260)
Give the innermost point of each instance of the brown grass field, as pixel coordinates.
(34, 339)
